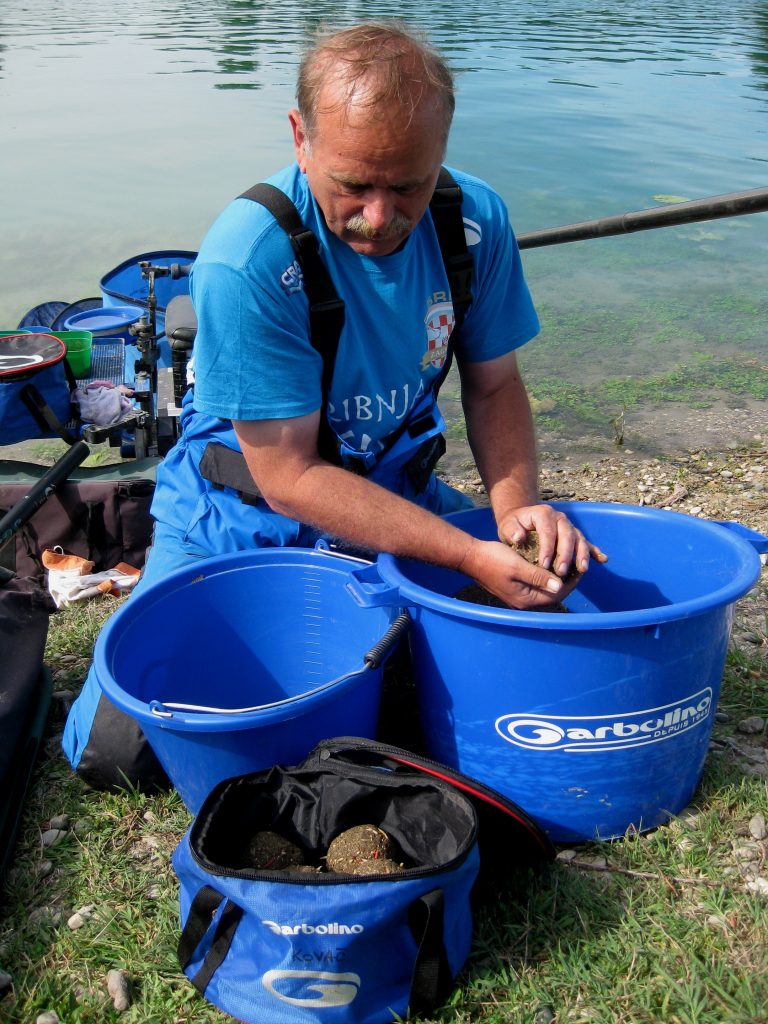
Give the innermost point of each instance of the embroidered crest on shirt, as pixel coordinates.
(292, 279)
(439, 323)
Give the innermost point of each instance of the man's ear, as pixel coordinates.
(299, 138)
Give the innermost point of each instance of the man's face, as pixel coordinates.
(371, 172)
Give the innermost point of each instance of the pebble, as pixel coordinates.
(40, 916)
(49, 1017)
(596, 863)
(751, 725)
(44, 868)
(758, 885)
(566, 855)
(757, 827)
(117, 986)
(746, 851)
(752, 638)
(717, 921)
(544, 1015)
(59, 821)
(78, 919)
(5, 982)
(52, 836)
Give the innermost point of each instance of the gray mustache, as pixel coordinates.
(358, 225)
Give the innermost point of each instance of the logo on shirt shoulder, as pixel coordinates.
(292, 279)
(439, 322)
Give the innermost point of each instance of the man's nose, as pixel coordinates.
(379, 209)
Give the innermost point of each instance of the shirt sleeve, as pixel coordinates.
(253, 356)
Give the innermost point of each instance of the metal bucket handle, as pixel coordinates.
(372, 659)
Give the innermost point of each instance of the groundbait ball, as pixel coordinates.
(268, 851)
(360, 850)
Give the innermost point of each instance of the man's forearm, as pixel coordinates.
(365, 514)
(501, 434)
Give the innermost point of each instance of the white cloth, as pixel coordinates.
(70, 578)
(101, 403)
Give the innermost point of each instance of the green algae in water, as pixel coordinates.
(662, 198)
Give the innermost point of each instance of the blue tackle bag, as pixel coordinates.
(305, 944)
(33, 363)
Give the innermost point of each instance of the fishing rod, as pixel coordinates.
(732, 204)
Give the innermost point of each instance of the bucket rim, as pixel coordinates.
(122, 316)
(142, 604)
(413, 594)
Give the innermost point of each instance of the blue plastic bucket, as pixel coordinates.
(273, 630)
(596, 720)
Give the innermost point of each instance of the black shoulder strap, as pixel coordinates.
(445, 207)
(326, 309)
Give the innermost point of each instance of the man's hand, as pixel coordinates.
(512, 578)
(561, 545)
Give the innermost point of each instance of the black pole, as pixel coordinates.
(39, 493)
(733, 204)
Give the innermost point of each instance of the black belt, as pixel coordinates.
(224, 467)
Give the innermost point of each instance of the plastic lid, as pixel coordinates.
(107, 318)
(24, 354)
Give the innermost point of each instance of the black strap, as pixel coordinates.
(445, 207)
(432, 976)
(43, 415)
(224, 467)
(203, 907)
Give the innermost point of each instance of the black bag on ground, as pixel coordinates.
(101, 514)
(25, 697)
(300, 946)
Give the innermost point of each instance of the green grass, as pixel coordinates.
(659, 927)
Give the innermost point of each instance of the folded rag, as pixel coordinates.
(101, 403)
(70, 578)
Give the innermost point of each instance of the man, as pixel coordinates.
(374, 110)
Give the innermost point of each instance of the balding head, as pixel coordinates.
(374, 69)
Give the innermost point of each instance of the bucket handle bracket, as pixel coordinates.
(370, 590)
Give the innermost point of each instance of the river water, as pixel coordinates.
(126, 126)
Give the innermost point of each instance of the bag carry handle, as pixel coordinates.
(201, 911)
(373, 659)
(432, 977)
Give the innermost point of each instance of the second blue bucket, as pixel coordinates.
(245, 661)
(596, 720)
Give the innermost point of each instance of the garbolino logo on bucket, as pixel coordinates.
(582, 733)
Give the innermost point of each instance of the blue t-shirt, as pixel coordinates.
(253, 356)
